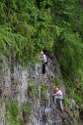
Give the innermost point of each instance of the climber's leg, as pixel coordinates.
(60, 101)
(61, 105)
(43, 68)
(55, 97)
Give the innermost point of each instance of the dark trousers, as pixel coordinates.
(44, 67)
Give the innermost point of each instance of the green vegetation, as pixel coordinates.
(66, 102)
(12, 114)
(29, 26)
(35, 88)
(56, 81)
(27, 108)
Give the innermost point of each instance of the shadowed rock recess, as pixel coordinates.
(31, 91)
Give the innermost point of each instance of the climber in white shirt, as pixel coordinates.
(44, 62)
(44, 58)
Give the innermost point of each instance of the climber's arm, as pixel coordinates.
(54, 94)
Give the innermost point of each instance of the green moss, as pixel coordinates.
(27, 108)
(66, 102)
(56, 81)
(77, 99)
(11, 114)
(34, 89)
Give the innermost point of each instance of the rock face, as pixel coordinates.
(2, 113)
(30, 86)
